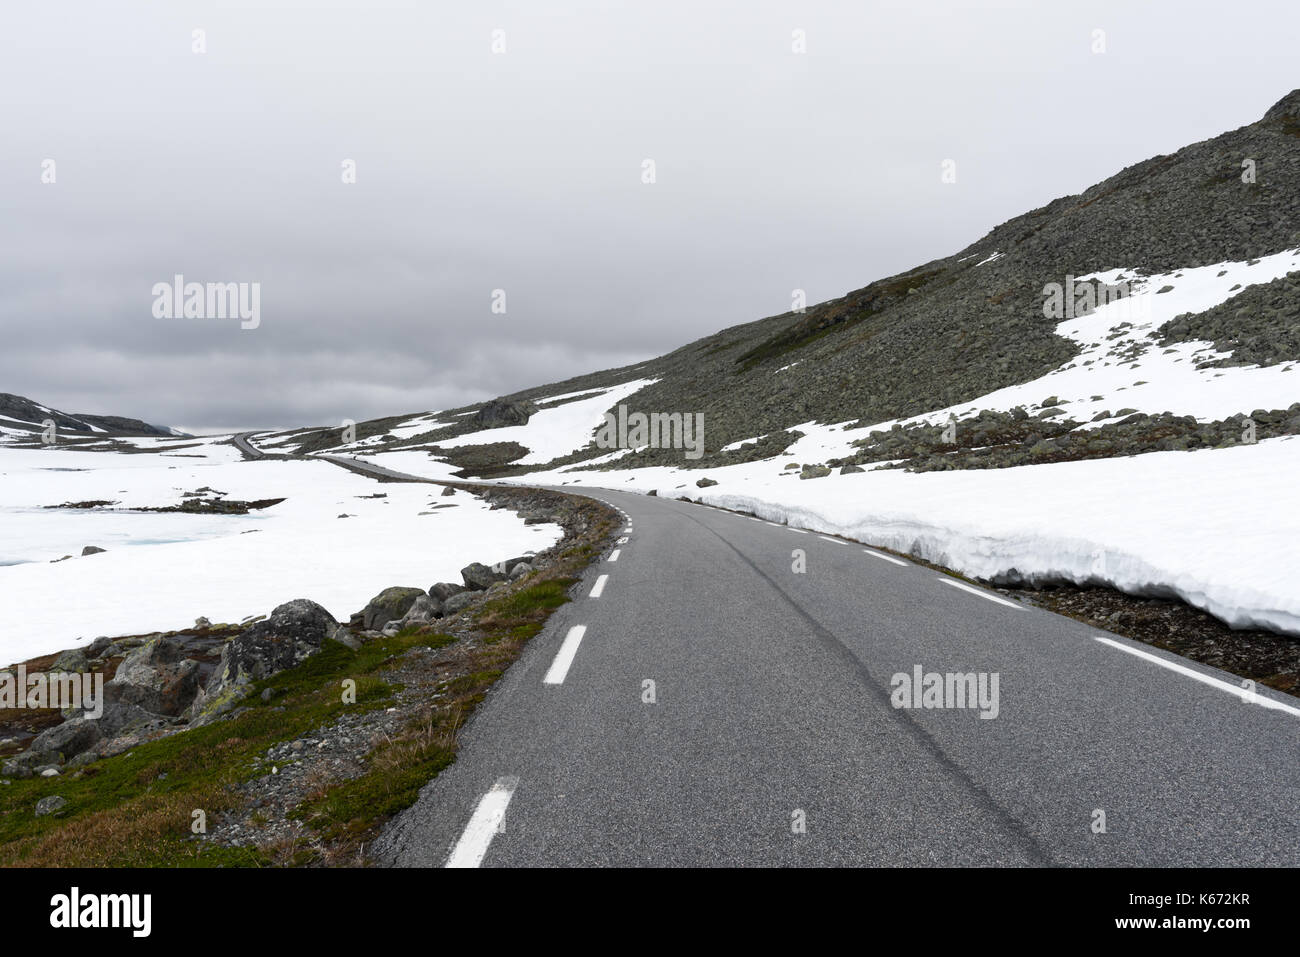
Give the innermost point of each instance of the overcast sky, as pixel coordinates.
(522, 171)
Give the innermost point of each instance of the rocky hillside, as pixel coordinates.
(958, 328)
(21, 415)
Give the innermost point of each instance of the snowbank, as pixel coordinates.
(1218, 528)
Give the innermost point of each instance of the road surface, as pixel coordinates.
(770, 734)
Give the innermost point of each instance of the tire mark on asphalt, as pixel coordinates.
(1030, 844)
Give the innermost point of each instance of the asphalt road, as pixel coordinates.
(243, 442)
(771, 737)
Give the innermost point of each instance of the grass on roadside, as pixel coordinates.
(136, 809)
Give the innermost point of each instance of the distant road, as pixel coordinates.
(369, 468)
(769, 737)
(244, 442)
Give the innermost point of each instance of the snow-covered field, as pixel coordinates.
(1219, 528)
(163, 570)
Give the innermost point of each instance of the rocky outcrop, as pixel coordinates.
(391, 604)
(500, 413)
(460, 602)
(444, 590)
(424, 609)
(156, 677)
(295, 631)
(479, 576)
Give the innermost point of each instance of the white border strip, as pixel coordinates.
(1245, 695)
(983, 594)
(888, 558)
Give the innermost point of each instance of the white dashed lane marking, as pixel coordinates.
(613, 556)
(599, 586)
(835, 541)
(483, 825)
(564, 657)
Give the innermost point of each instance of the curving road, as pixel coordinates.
(769, 736)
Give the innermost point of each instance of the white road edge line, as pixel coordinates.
(613, 556)
(564, 657)
(1240, 692)
(827, 538)
(483, 825)
(599, 587)
(888, 558)
(982, 594)
(801, 531)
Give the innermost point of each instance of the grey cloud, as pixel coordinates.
(522, 172)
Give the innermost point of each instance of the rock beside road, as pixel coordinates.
(391, 604)
(295, 631)
(444, 590)
(480, 577)
(156, 677)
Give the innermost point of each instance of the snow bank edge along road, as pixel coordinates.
(1218, 528)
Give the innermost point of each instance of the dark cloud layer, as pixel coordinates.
(522, 171)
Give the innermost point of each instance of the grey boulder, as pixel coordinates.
(156, 677)
(425, 609)
(444, 590)
(295, 631)
(391, 604)
(50, 804)
(479, 576)
(458, 602)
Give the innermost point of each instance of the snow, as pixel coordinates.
(1218, 528)
(226, 568)
(553, 432)
(734, 446)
